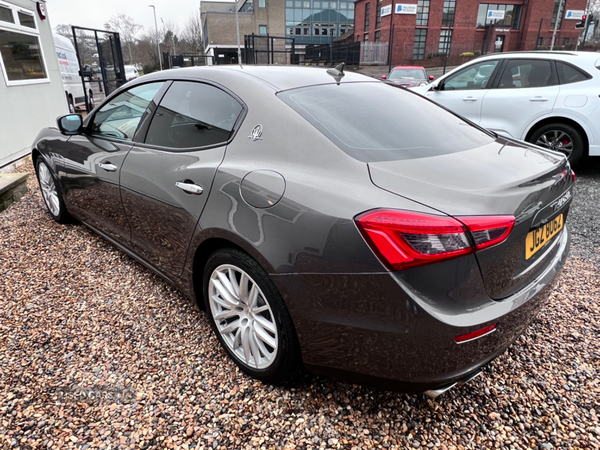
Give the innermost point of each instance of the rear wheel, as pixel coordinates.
(562, 138)
(51, 193)
(250, 318)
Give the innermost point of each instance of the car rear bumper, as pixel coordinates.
(387, 331)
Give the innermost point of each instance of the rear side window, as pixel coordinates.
(569, 74)
(193, 115)
(528, 73)
(378, 122)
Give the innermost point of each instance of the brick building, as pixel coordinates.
(424, 30)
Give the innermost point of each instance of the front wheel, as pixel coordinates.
(51, 193)
(250, 318)
(561, 138)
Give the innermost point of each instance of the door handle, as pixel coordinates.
(538, 99)
(470, 99)
(190, 188)
(109, 167)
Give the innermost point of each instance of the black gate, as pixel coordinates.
(101, 63)
(185, 60)
(331, 55)
(259, 49)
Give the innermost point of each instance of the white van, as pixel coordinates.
(69, 71)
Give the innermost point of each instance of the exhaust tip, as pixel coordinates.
(434, 393)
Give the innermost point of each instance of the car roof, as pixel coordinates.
(408, 67)
(567, 56)
(279, 78)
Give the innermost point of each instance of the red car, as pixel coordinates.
(408, 76)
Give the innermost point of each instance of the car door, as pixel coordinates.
(93, 160)
(166, 181)
(463, 92)
(526, 90)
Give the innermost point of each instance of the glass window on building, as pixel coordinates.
(248, 7)
(262, 3)
(420, 41)
(512, 15)
(557, 4)
(26, 20)
(378, 16)
(262, 29)
(423, 13)
(377, 36)
(6, 15)
(445, 40)
(448, 13)
(22, 58)
(367, 16)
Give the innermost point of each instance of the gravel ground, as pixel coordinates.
(78, 317)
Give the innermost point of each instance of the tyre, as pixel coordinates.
(51, 193)
(562, 138)
(71, 104)
(250, 318)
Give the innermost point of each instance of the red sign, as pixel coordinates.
(41, 9)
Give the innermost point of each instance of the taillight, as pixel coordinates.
(404, 239)
(488, 230)
(573, 176)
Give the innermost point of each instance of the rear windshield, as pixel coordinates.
(378, 122)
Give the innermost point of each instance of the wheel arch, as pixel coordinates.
(563, 120)
(207, 247)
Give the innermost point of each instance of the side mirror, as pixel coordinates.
(431, 78)
(384, 77)
(436, 86)
(70, 124)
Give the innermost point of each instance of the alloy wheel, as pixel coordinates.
(48, 189)
(243, 316)
(556, 140)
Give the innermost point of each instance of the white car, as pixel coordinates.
(131, 73)
(69, 72)
(547, 98)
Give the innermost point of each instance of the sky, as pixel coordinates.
(94, 14)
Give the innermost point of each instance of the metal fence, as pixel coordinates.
(374, 53)
(330, 55)
(260, 49)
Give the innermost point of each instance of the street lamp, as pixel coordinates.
(157, 38)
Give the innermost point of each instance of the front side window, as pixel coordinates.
(193, 115)
(527, 73)
(477, 76)
(21, 56)
(119, 118)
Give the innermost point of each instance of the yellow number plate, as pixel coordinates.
(536, 239)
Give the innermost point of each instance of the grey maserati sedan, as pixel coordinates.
(324, 220)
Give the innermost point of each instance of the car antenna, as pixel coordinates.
(337, 72)
(237, 26)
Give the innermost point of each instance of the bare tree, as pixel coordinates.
(127, 29)
(64, 30)
(192, 34)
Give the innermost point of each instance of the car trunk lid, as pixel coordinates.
(504, 177)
